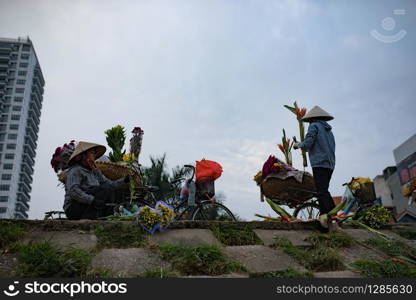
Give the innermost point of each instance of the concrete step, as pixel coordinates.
(128, 262)
(337, 274)
(191, 237)
(63, 239)
(261, 259)
(297, 237)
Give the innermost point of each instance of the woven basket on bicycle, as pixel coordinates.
(114, 171)
(111, 170)
(288, 191)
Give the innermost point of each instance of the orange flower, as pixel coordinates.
(281, 148)
(300, 112)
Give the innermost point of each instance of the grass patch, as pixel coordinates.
(10, 232)
(385, 269)
(159, 273)
(392, 248)
(44, 260)
(119, 236)
(198, 260)
(289, 273)
(316, 259)
(332, 240)
(235, 237)
(407, 233)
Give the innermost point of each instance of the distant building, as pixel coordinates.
(389, 186)
(21, 95)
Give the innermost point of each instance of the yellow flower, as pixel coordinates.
(126, 157)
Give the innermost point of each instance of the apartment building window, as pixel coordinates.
(14, 127)
(6, 108)
(3, 118)
(18, 99)
(8, 166)
(19, 90)
(4, 187)
(4, 198)
(23, 65)
(6, 176)
(17, 108)
(9, 156)
(2, 127)
(2, 135)
(24, 56)
(11, 146)
(15, 117)
(1, 147)
(26, 48)
(7, 99)
(3, 210)
(12, 136)
(20, 81)
(22, 73)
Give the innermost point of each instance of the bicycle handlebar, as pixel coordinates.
(193, 170)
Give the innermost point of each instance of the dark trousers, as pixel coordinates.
(322, 177)
(105, 193)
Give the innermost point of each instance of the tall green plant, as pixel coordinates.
(300, 113)
(116, 137)
(286, 148)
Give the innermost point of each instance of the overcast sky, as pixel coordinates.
(210, 78)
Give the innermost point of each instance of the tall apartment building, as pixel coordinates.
(21, 95)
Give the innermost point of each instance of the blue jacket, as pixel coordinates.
(320, 143)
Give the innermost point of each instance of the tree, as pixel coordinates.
(158, 175)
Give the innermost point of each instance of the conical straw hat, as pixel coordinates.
(318, 113)
(85, 146)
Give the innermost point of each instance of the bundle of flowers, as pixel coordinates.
(149, 219)
(60, 157)
(167, 214)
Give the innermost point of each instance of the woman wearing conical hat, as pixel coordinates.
(320, 144)
(87, 190)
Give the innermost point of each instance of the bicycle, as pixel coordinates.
(359, 199)
(205, 208)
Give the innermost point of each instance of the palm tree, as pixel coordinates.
(158, 175)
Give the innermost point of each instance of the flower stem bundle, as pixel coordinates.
(300, 113)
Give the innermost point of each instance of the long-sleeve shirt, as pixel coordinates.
(320, 144)
(80, 180)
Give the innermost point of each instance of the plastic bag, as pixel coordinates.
(208, 168)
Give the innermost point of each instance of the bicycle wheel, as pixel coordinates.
(212, 211)
(184, 214)
(307, 211)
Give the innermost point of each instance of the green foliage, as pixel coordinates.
(10, 232)
(116, 137)
(392, 248)
(385, 269)
(158, 175)
(376, 216)
(235, 237)
(119, 236)
(289, 273)
(44, 260)
(332, 240)
(316, 259)
(198, 260)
